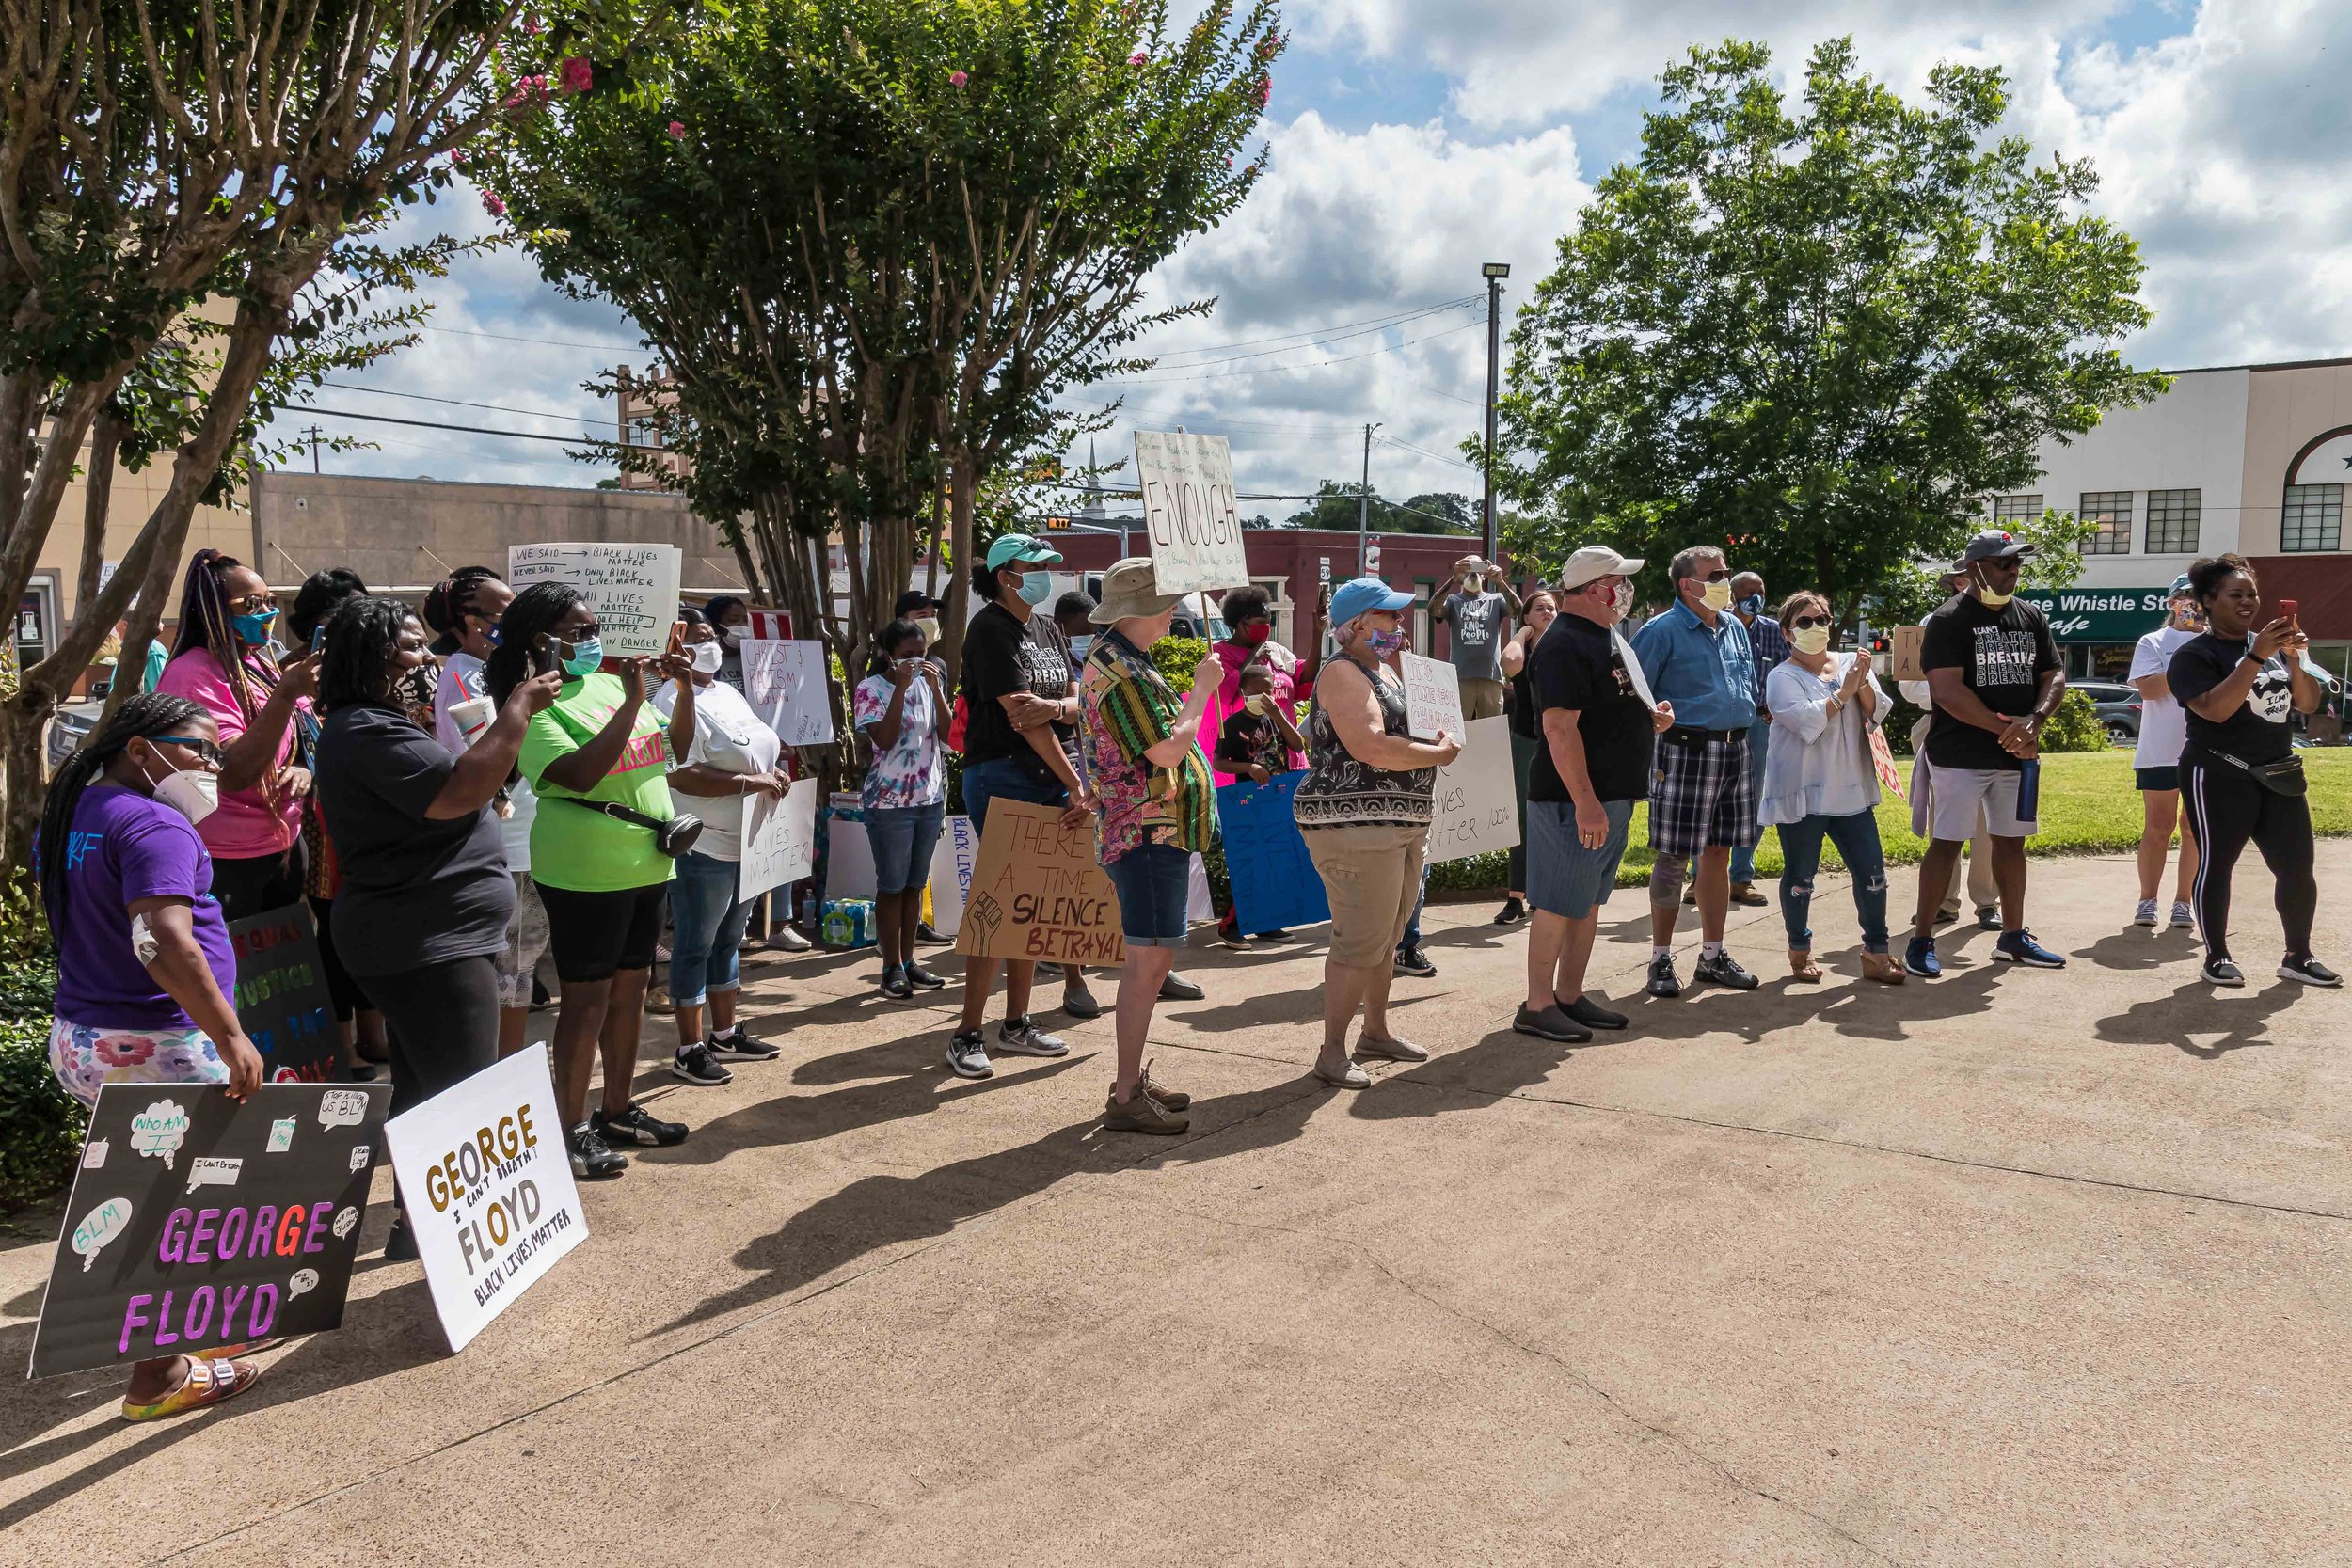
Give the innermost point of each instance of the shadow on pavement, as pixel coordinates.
(2239, 1018)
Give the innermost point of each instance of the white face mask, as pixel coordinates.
(1716, 595)
(928, 626)
(1621, 598)
(1810, 640)
(1474, 584)
(193, 794)
(1261, 704)
(733, 636)
(706, 657)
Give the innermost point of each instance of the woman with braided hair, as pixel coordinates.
(224, 663)
(144, 964)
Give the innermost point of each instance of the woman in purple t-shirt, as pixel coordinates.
(144, 965)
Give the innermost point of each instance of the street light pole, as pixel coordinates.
(1495, 273)
(1363, 503)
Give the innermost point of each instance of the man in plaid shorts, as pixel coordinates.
(1697, 660)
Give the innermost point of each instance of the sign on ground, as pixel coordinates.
(281, 999)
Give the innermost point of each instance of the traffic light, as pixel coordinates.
(1058, 523)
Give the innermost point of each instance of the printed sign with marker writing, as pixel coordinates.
(1433, 697)
(779, 840)
(1038, 892)
(282, 997)
(220, 1229)
(1188, 511)
(953, 860)
(630, 589)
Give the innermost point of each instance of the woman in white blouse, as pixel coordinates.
(1820, 781)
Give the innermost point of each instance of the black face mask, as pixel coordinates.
(417, 686)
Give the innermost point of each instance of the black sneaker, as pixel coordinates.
(922, 932)
(742, 1046)
(540, 1000)
(1550, 1025)
(1592, 1014)
(1988, 917)
(636, 1125)
(591, 1157)
(2222, 971)
(2308, 970)
(921, 979)
(695, 1066)
(1412, 960)
(1229, 932)
(1662, 979)
(1278, 934)
(1724, 970)
(1514, 911)
(1177, 989)
(967, 1055)
(893, 985)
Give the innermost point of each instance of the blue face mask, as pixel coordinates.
(583, 659)
(1082, 646)
(1752, 604)
(1035, 587)
(254, 629)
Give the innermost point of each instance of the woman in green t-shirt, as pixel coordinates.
(602, 878)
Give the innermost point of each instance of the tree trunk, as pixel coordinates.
(106, 442)
(961, 468)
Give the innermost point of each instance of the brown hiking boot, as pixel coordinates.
(1140, 1113)
(1174, 1100)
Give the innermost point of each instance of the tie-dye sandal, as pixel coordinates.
(208, 1383)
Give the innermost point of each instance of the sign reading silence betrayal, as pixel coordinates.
(281, 996)
(197, 1222)
(489, 1187)
(1038, 892)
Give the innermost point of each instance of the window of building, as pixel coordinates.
(645, 431)
(2016, 509)
(2173, 516)
(2312, 518)
(2112, 511)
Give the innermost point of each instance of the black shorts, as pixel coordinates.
(594, 935)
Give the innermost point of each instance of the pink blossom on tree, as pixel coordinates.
(957, 78)
(493, 204)
(1138, 58)
(579, 74)
(678, 131)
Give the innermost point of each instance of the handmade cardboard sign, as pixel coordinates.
(487, 1181)
(1275, 884)
(1188, 511)
(1477, 810)
(785, 683)
(779, 840)
(1433, 697)
(1038, 892)
(1907, 640)
(197, 1222)
(953, 860)
(281, 995)
(630, 589)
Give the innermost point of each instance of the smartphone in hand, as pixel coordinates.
(2286, 608)
(318, 636)
(677, 636)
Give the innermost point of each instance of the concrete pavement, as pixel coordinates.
(2017, 1267)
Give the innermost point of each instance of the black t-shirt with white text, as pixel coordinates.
(2256, 731)
(2001, 655)
(1002, 654)
(1578, 665)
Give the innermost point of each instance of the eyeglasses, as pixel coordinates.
(1804, 621)
(202, 747)
(254, 603)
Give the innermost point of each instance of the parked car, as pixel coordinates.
(2118, 705)
(72, 724)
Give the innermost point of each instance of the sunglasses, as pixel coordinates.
(204, 749)
(1801, 622)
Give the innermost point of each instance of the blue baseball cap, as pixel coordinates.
(1023, 547)
(1364, 595)
(2180, 588)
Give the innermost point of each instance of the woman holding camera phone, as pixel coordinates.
(601, 850)
(901, 707)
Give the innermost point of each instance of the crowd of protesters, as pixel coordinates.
(470, 793)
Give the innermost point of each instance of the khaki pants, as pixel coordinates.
(1372, 876)
(1481, 699)
(1973, 870)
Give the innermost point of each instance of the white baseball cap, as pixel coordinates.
(1594, 562)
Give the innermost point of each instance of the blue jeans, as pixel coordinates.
(1155, 883)
(1759, 741)
(1857, 841)
(902, 838)
(1412, 927)
(1004, 778)
(706, 922)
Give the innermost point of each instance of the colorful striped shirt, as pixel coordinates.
(1128, 708)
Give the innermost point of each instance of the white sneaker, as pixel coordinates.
(788, 938)
(2146, 916)
(2183, 918)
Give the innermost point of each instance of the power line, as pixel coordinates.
(1313, 340)
(1367, 323)
(470, 429)
(546, 342)
(1279, 369)
(458, 402)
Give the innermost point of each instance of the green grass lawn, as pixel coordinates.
(2089, 806)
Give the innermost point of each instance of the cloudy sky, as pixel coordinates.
(1414, 139)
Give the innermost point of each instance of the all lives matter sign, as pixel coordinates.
(1038, 892)
(489, 1187)
(630, 589)
(1188, 483)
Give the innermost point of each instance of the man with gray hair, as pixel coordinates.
(1696, 659)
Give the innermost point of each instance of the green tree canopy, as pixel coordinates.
(1334, 506)
(1816, 334)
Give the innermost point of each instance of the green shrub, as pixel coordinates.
(2076, 726)
(40, 1125)
(1177, 658)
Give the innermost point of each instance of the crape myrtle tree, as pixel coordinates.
(157, 152)
(873, 241)
(1818, 334)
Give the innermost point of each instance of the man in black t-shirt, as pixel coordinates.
(1993, 669)
(1593, 761)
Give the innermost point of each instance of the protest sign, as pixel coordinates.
(772, 625)
(197, 1222)
(630, 589)
(779, 840)
(785, 683)
(1188, 483)
(1038, 892)
(488, 1182)
(281, 996)
(1433, 698)
(1275, 884)
(952, 860)
(1476, 807)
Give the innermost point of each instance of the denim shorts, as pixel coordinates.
(902, 838)
(1005, 777)
(1155, 883)
(1564, 878)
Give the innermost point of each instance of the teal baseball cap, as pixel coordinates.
(1025, 549)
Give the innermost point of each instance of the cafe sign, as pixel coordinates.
(2100, 615)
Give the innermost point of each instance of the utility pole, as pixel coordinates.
(1495, 273)
(314, 432)
(1363, 504)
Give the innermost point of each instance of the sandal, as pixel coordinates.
(1801, 965)
(208, 1381)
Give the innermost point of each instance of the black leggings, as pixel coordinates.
(2225, 809)
(265, 882)
(443, 1023)
(342, 989)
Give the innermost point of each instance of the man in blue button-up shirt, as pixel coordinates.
(1696, 657)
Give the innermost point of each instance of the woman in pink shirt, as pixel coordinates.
(224, 661)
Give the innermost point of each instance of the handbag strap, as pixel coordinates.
(613, 809)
